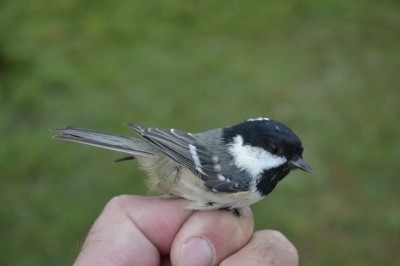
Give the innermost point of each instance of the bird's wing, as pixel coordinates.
(185, 149)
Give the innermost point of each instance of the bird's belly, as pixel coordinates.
(200, 197)
(176, 180)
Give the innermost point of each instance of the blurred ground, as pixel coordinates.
(328, 69)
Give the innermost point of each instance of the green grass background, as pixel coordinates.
(328, 69)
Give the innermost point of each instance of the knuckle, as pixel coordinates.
(116, 203)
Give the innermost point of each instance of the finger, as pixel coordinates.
(266, 247)
(158, 219)
(133, 230)
(208, 237)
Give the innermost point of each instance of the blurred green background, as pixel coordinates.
(328, 69)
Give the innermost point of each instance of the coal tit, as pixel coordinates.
(225, 168)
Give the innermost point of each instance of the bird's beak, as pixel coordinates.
(300, 164)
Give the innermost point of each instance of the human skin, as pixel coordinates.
(137, 230)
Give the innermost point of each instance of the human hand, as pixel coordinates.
(136, 230)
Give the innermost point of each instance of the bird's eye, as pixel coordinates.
(273, 148)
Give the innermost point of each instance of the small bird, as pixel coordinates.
(224, 168)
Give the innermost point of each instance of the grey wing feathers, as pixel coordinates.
(185, 149)
(104, 140)
(224, 186)
(181, 147)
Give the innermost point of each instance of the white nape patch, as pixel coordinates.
(253, 160)
(195, 157)
(258, 119)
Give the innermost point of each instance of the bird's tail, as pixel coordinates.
(114, 142)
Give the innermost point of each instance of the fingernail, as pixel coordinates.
(197, 252)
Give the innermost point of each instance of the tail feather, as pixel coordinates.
(124, 159)
(105, 140)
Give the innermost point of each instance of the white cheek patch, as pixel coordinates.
(253, 160)
(258, 119)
